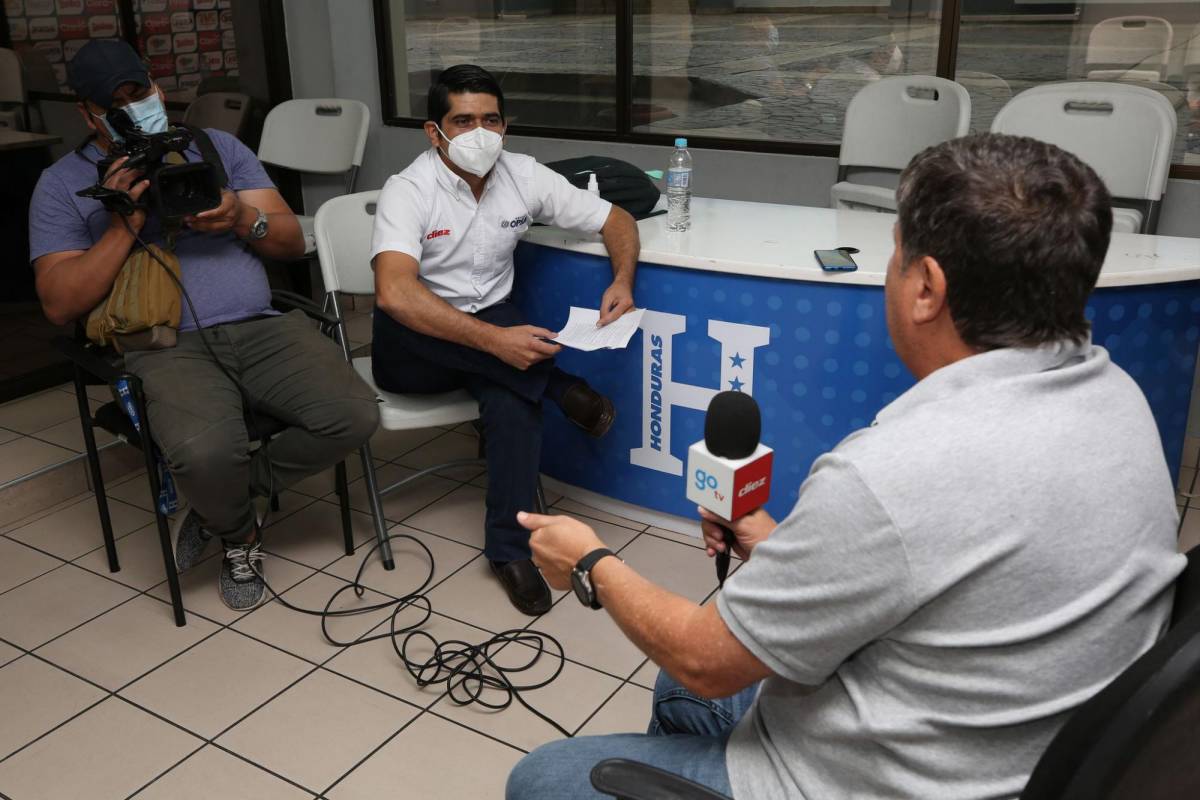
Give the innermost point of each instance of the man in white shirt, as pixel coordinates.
(445, 230)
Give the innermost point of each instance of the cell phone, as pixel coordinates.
(835, 260)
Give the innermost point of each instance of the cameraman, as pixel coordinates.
(287, 369)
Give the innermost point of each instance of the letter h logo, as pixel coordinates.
(660, 393)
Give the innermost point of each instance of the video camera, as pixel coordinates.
(175, 191)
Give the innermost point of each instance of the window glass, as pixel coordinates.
(554, 60)
(765, 69)
(1007, 46)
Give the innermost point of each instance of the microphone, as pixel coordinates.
(729, 473)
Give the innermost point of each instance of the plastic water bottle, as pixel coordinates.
(679, 188)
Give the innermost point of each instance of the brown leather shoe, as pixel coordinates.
(525, 586)
(588, 409)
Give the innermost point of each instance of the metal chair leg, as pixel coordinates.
(93, 458)
(274, 502)
(385, 547)
(150, 451)
(343, 493)
(540, 497)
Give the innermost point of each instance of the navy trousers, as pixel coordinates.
(510, 408)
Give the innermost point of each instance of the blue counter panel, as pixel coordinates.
(816, 357)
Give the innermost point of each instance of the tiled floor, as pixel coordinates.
(101, 696)
(259, 705)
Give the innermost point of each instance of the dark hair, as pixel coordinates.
(1020, 228)
(457, 80)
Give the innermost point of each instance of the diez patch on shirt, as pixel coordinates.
(437, 233)
(514, 223)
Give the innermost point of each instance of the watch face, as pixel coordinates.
(582, 590)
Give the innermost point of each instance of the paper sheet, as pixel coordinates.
(581, 332)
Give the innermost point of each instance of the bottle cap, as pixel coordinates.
(593, 184)
(681, 142)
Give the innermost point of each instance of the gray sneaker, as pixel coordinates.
(191, 540)
(241, 584)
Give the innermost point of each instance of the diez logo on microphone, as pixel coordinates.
(438, 233)
(751, 486)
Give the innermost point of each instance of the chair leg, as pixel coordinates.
(343, 493)
(385, 547)
(164, 533)
(540, 497)
(274, 502)
(93, 458)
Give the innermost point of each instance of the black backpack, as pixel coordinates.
(621, 183)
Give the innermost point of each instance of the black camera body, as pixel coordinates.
(175, 191)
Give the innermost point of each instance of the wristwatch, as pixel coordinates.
(258, 228)
(581, 576)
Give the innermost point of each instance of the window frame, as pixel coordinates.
(947, 58)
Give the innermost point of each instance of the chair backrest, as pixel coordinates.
(225, 111)
(325, 136)
(1122, 131)
(12, 78)
(1134, 739)
(1191, 56)
(343, 228)
(891, 120)
(1134, 42)
(988, 94)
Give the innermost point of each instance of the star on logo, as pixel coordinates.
(736, 385)
(737, 359)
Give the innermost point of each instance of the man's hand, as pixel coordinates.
(522, 346)
(617, 299)
(129, 181)
(224, 217)
(749, 530)
(558, 543)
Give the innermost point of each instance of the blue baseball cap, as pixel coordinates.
(101, 66)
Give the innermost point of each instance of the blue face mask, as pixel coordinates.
(148, 114)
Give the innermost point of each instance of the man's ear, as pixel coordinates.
(930, 299)
(431, 132)
(86, 113)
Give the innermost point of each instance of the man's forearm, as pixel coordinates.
(74, 286)
(659, 622)
(284, 240)
(621, 239)
(414, 306)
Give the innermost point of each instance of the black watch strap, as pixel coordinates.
(587, 562)
(584, 568)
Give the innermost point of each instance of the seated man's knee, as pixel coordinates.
(500, 406)
(215, 450)
(550, 771)
(362, 420)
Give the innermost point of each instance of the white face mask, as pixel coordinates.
(475, 151)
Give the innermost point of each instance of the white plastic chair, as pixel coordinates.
(1122, 131)
(343, 228)
(225, 111)
(12, 91)
(325, 136)
(887, 123)
(1129, 48)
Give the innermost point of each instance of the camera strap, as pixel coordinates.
(208, 152)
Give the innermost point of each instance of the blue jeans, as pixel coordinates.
(687, 736)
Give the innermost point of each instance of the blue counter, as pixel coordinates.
(815, 355)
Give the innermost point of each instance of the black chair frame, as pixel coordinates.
(92, 366)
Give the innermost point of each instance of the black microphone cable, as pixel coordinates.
(464, 668)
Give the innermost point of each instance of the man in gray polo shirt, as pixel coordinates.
(955, 579)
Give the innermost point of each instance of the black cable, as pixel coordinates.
(465, 669)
